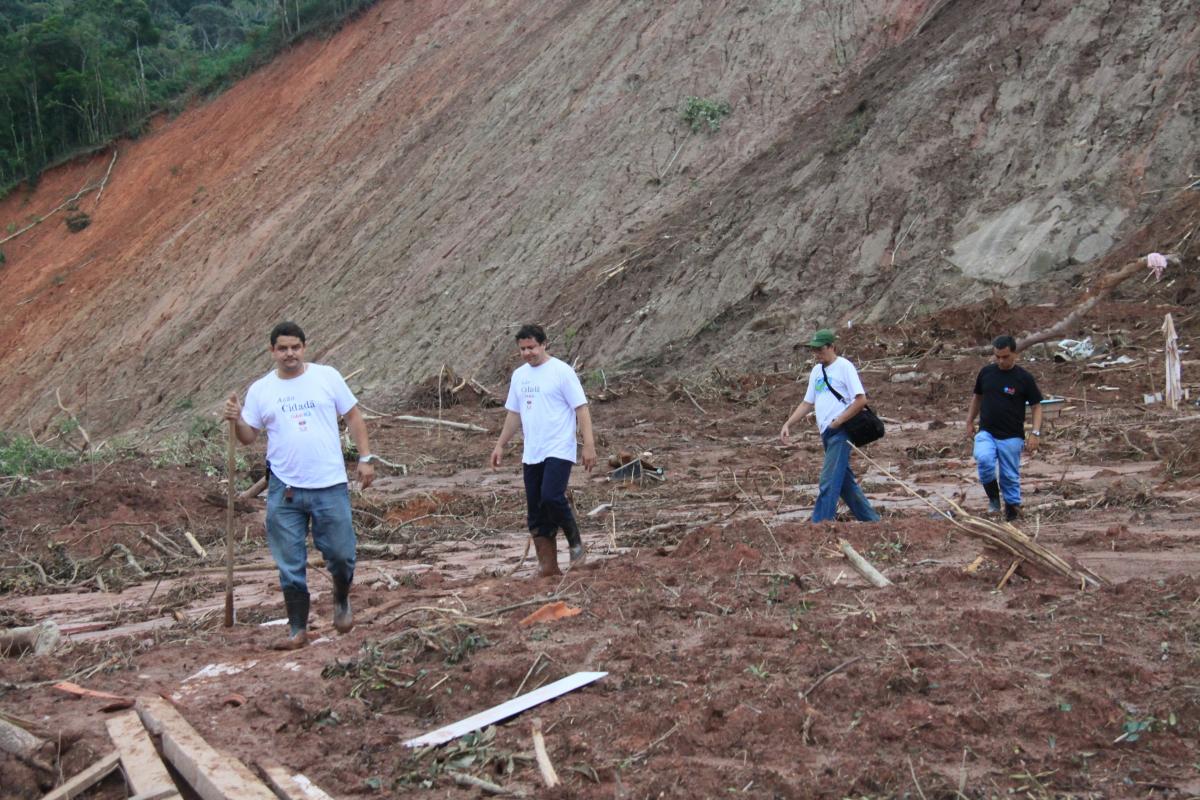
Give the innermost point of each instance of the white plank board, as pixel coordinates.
(505, 710)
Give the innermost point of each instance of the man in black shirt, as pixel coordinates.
(1002, 391)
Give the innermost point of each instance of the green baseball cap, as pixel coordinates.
(821, 338)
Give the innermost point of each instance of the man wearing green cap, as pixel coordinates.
(836, 394)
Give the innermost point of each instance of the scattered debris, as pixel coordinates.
(1074, 349)
(551, 612)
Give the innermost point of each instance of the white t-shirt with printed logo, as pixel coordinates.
(844, 378)
(300, 417)
(546, 398)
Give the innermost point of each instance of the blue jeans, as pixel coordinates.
(546, 495)
(990, 451)
(837, 480)
(328, 510)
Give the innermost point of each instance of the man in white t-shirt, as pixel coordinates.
(546, 400)
(298, 405)
(837, 480)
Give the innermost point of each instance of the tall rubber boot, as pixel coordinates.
(574, 541)
(296, 601)
(1012, 512)
(547, 556)
(343, 616)
(992, 488)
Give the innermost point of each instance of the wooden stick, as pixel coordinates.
(200, 551)
(104, 182)
(89, 777)
(804, 695)
(549, 776)
(255, 490)
(461, 426)
(463, 779)
(230, 472)
(1012, 568)
(863, 566)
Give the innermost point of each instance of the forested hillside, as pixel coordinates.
(75, 73)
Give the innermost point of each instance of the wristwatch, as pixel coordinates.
(1036, 433)
(365, 459)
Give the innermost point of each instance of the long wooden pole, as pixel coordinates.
(230, 469)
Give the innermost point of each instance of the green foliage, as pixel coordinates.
(698, 112)
(852, 130)
(74, 74)
(202, 445)
(22, 456)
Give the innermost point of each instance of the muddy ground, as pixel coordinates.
(744, 655)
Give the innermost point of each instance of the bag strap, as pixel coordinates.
(829, 386)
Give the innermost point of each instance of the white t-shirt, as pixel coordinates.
(300, 417)
(844, 378)
(546, 398)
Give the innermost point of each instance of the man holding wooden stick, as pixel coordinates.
(298, 404)
(1002, 390)
(546, 401)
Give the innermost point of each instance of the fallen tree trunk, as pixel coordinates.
(1091, 298)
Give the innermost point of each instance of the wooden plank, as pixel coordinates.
(144, 770)
(214, 775)
(506, 710)
(288, 786)
(86, 779)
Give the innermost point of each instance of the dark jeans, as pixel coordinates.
(546, 496)
(838, 481)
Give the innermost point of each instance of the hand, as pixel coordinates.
(497, 454)
(232, 410)
(366, 474)
(1032, 444)
(589, 457)
(970, 431)
(834, 424)
(784, 433)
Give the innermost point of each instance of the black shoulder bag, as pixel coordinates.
(864, 427)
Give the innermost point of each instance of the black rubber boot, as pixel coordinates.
(343, 616)
(296, 601)
(1012, 512)
(574, 541)
(992, 488)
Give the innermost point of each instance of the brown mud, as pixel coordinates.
(744, 655)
